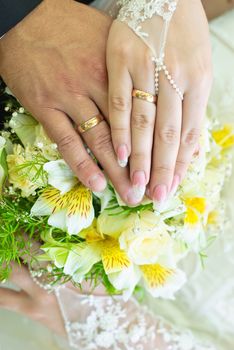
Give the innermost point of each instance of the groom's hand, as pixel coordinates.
(54, 63)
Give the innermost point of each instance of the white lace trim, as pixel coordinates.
(109, 323)
(136, 12)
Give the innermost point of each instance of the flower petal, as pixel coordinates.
(24, 126)
(162, 281)
(60, 175)
(58, 219)
(114, 259)
(57, 254)
(105, 197)
(125, 280)
(41, 207)
(81, 259)
(113, 225)
(80, 211)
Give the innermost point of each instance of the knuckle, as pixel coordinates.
(82, 165)
(169, 135)
(163, 169)
(120, 103)
(120, 129)
(181, 163)
(138, 156)
(65, 142)
(190, 137)
(141, 121)
(102, 142)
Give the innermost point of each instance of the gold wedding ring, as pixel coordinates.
(146, 96)
(89, 124)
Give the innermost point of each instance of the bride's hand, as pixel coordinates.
(160, 140)
(32, 301)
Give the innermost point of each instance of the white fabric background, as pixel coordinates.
(207, 304)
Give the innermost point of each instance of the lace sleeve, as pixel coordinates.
(150, 20)
(104, 322)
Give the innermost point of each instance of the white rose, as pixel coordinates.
(146, 243)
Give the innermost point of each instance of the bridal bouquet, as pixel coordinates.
(94, 236)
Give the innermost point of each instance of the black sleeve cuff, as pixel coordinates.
(13, 11)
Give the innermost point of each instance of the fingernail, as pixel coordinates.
(160, 193)
(175, 184)
(139, 184)
(98, 182)
(122, 155)
(134, 196)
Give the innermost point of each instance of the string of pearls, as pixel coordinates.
(161, 67)
(36, 275)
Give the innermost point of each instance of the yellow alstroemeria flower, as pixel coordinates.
(162, 281)
(192, 233)
(96, 248)
(196, 208)
(113, 257)
(68, 203)
(224, 137)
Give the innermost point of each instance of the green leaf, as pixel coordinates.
(3, 163)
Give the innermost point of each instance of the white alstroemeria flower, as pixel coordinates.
(162, 281)
(105, 197)
(80, 260)
(68, 203)
(171, 208)
(126, 280)
(60, 175)
(25, 128)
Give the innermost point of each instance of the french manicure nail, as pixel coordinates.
(175, 184)
(134, 196)
(160, 193)
(98, 182)
(139, 185)
(122, 155)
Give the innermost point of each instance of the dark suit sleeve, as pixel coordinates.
(13, 11)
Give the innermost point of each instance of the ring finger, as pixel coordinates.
(142, 125)
(98, 139)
